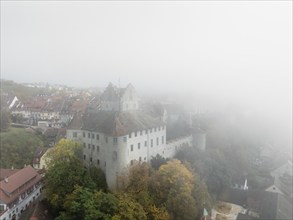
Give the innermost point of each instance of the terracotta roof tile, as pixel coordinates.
(7, 172)
(18, 179)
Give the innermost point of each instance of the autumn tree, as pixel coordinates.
(135, 183)
(129, 209)
(172, 186)
(64, 150)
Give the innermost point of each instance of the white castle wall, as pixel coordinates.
(113, 154)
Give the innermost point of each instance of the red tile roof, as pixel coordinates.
(7, 172)
(18, 179)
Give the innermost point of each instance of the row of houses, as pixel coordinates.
(50, 110)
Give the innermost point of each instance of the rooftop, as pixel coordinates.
(115, 123)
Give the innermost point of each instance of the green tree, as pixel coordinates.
(157, 161)
(84, 203)
(5, 120)
(18, 147)
(61, 178)
(65, 171)
(98, 177)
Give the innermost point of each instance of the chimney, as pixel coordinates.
(6, 179)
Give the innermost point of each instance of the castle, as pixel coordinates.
(120, 133)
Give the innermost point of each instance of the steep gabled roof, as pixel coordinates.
(17, 179)
(26, 177)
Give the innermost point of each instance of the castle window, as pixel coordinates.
(129, 135)
(115, 140)
(144, 158)
(98, 162)
(162, 139)
(151, 142)
(89, 146)
(157, 141)
(131, 147)
(138, 146)
(84, 157)
(74, 134)
(89, 135)
(135, 134)
(98, 137)
(93, 136)
(98, 148)
(139, 159)
(145, 143)
(93, 147)
(83, 134)
(131, 162)
(91, 159)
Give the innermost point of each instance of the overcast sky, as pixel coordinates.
(229, 50)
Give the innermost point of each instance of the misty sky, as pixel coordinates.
(229, 50)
